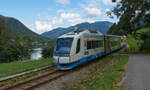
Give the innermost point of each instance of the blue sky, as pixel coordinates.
(44, 15)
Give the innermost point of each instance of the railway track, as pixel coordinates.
(27, 72)
(24, 76)
(36, 81)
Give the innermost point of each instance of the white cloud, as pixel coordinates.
(90, 21)
(57, 21)
(71, 17)
(63, 1)
(60, 11)
(42, 26)
(93, 12)
(107, 2)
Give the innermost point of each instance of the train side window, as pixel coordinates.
(94, 44)
(100, 43)
(89, 45)
(114, 43)
(78, 46)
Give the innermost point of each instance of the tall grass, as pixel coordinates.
(108, 80)
(7, 69)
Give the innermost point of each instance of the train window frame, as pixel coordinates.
(78, 46)
(94, 44)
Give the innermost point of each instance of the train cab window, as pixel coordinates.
(78, 46)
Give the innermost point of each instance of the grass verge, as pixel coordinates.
(7, 69)
(105, 76)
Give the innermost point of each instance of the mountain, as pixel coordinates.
(17, 27)
(101, 26)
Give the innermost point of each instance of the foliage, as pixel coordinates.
(144, 36)
(4, 34)
(48, 51)
(107, 80)
(18, 48)
(133, 15)
(13, 48)
(7, 69)
(132, 44)
(143, 33)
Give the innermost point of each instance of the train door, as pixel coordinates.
(78, 52)
(86, 52)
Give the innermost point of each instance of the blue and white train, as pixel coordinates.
(78, 47)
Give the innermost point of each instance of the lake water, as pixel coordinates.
(37, 54)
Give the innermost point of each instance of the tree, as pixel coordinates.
(13, 47)
(5, 34)
(133, 15)
(144, 35)
(47, 51)
(18, 48)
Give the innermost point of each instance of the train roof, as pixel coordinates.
(113, 35)
(79, 33)
(85, 33)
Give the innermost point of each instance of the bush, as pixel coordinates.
(146, 45)
(13, 47)
(144, 35)
(18, 48)
(132, 43)
(48, 51)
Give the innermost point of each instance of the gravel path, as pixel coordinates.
(138, 73)
(67, 80)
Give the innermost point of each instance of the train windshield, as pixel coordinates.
(64, 45)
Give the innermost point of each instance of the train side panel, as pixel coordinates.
(94, 47)
(87, 46)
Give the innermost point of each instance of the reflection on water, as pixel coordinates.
(36, 54)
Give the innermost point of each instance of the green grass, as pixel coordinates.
(7, 69)
(103, 76)
(107, 80)
(144, 30)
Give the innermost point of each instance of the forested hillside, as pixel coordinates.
(16, 27)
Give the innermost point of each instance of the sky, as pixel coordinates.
(44, 15)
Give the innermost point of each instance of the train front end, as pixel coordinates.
(62, 52)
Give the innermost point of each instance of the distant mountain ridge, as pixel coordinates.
(101, 26)
(17, 27)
